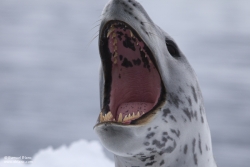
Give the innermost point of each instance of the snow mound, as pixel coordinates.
(78, 154)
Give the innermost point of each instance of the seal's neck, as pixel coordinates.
(193, 153)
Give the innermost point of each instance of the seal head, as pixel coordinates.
(152, 110)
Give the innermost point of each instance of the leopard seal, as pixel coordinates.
(152, 111)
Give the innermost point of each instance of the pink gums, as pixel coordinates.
(136, 83)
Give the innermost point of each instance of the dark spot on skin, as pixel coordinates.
(176, 133)
(162, 163)
(181, 90)
(121, 57)
(127, 63)
(165, 133)
(188, 114)
(184, 119)
(144, 158)
(128, 44)
(173, 118)
(146, 143)
(149, 129)
(195, 159)
(194, 141)
(145, 60)
(119, 34)
(206, 147)
(185, 149)
(137, 62)
(202, 119)
(156, 127)
(169, 149)
(120, 76)
(173, 98)
(194, 94)
(150, 135)
(164, 139)
(158, 143)
(200, 144)
(189, 101)
(150, 163)
(166, 112)
(195, 115)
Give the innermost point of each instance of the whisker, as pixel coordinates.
(94, 27)
(93, 39)
(153, 34)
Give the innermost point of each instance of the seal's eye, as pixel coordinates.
(172, 49)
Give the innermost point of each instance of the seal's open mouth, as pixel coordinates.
(133, 88)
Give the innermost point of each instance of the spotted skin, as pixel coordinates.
(177, 135)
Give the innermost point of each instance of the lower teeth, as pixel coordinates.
(109, 117)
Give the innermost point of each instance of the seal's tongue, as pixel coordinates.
(136, 83)
(133, 109)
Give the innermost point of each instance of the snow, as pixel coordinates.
(79, 154)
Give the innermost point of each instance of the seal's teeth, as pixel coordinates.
(101, 117)
(115, 48)
(115, 55)
(125, 118)
(110, 31)
(133, 115)
(120, 118)
(131, 34)
(114, 35)
(137, 43)
(138, 114)
(129, 117)
(115, 42)
(115, 60)
(107, 117)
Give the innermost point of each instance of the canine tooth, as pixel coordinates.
(108, 116)
(138, 114)
(115, 48)
(125, 118)
(115, 42)
(131, 34)
(115, 60)
(133, 116)
(116, 54)
(137, 43)
(101, 117)
(114, 35)
(110, 31)
(120, 117)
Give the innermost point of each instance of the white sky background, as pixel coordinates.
(49, 72)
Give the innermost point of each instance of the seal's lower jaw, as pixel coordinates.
(133, 89)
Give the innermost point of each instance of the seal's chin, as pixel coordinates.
(133, 89)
